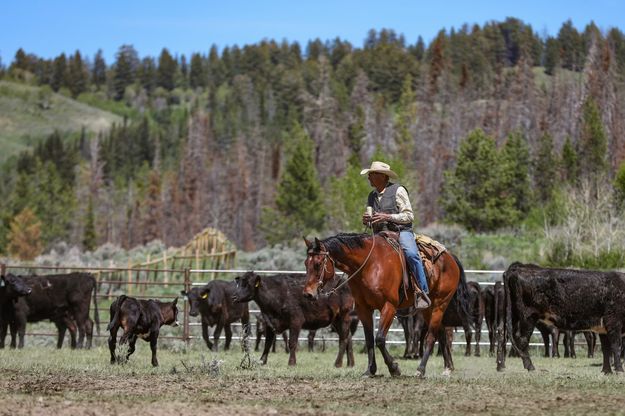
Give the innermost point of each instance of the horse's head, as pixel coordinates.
(319, 268)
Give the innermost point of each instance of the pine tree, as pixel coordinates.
(593, 144)
(59, 73)
(166, 72)
(21, 60)
(125, 70)
(77, 75)
(545, 169)
(25, 236)
(197, 75)
(98, 74)
(572, 52)
(152, 209)
(552, 55)
(299, 208)
(474, 193)
(515, 166)
(347, 199)
(405, 117)
(147, 75)
(89, 241)
(570, 162)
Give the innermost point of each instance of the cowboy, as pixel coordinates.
(391, 210)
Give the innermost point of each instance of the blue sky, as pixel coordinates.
(49, 27)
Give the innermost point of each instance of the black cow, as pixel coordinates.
(214, 303)
(568, 299)
(61, 298)
(492, 298)
(261, 330)
(464, 311)
(11, 288)
(283, 305)
(139, 318)
(413, 324)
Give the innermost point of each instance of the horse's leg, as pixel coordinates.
(366, 317)
(387, 314)
(445, 340)
(433, 328)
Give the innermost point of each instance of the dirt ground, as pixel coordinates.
(558, 387)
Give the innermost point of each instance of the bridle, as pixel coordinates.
(324, 266)
(326, 256)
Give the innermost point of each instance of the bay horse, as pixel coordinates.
(375, 274)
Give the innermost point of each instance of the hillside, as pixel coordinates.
(28, 113)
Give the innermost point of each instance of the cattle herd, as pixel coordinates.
(530, 297)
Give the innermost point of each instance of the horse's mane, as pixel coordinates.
(344, 240)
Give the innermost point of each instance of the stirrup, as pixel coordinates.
(422, 301)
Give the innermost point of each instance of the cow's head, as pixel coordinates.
(246, 287)
(14, 286)
(170, 313)
(196, 296)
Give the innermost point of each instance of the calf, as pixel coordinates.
(60, 298)
(261, 330)
(413, 324)
(214, 303)
(11, 288)
(492, 298)
(283, 305)
(139, 318)
(567, 299)
(461, 311)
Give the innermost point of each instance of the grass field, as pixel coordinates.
(42, 380)
(25, 119)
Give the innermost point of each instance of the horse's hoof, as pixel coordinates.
(394, 370)
(368, 374)
(420, 373)
(447, 372)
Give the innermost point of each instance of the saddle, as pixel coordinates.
(429, 250)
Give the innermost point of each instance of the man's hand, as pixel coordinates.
(366, 220)
(380, 217)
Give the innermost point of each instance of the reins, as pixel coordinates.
(327, 254)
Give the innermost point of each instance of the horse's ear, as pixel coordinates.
(317, 243)
(308, 243)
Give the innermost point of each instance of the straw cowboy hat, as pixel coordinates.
(380, 167)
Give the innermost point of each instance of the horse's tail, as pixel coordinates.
(462, 297)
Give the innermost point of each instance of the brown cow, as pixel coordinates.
(139, 318)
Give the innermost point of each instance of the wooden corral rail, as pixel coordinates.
(209, 249)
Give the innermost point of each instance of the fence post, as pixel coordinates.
(3, 269)
(166, 276)
(129, 286)
(185, 324)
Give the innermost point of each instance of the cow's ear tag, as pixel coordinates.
(205, 295)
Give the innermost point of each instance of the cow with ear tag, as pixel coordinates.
(214, 303)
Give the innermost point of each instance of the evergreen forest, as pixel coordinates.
(493, 128)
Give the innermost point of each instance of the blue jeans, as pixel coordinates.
(409, 245)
